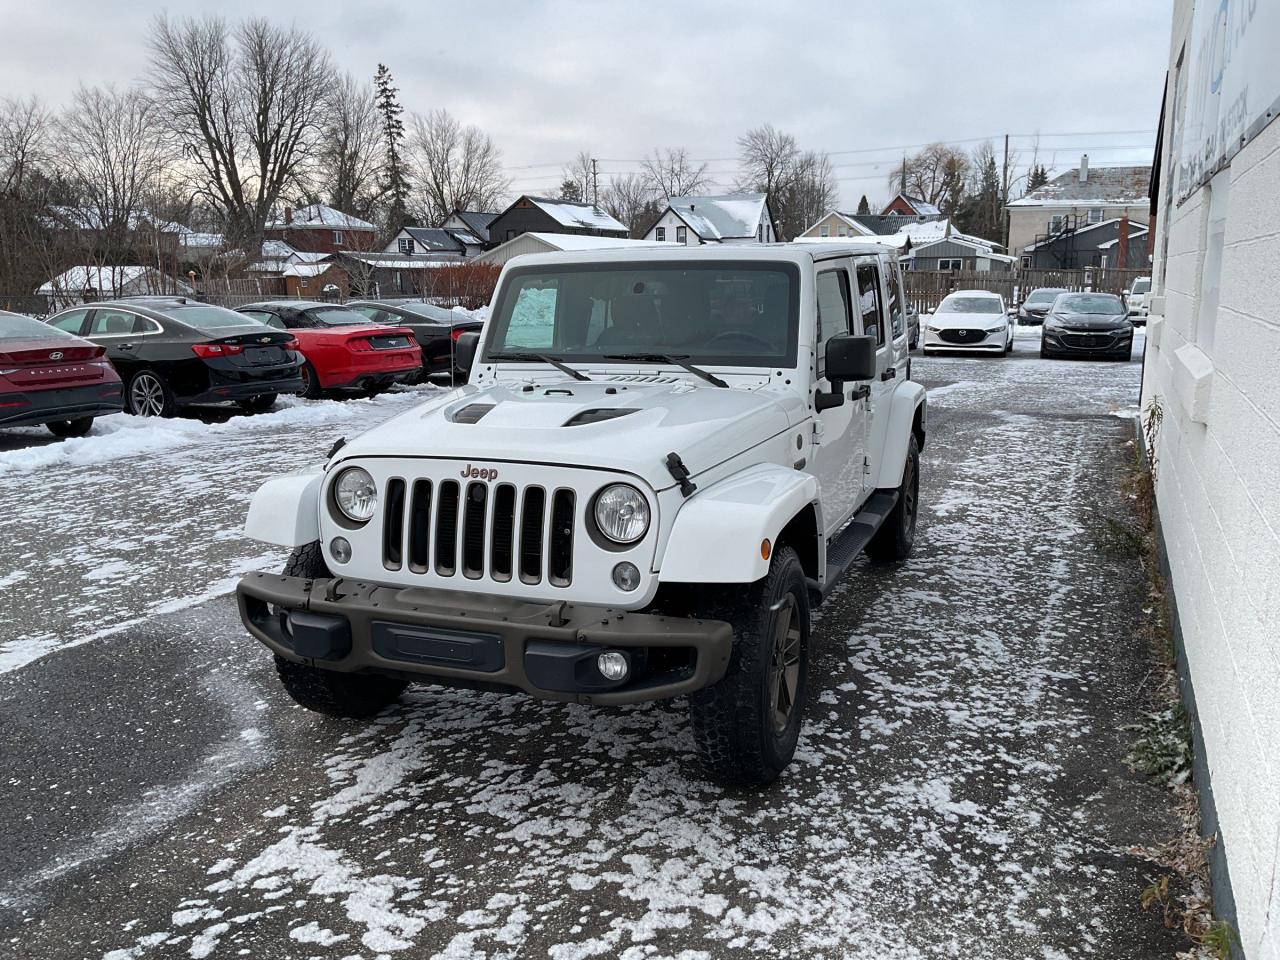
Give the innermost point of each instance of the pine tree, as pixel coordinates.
(393, 132)
(570, 190)
(864, 208)
(1037, 177)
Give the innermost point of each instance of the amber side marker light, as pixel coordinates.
(765, 549)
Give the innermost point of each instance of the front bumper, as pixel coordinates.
(548, 650)
(34, 407)
(1091, 343)
(989, 343)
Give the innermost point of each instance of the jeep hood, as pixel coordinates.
(629, 427)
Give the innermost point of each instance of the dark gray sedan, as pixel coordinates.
(1091, 325)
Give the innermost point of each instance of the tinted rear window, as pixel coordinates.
(15, 325)
(1044, 296)
(204, 316)
(1090, 303)
(336, 316)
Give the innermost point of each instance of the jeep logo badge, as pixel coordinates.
(469, 472)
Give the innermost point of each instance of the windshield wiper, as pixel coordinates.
(531, 357)
(677, 360)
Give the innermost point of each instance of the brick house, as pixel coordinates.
(321, 229)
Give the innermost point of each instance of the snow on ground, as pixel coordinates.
(952, 795)
(144, 517)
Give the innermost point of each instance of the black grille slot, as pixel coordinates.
(598, 415)
(560, 570)
(420, 527)
(393, 526)
(535, 502)
(472, 412)
(504, 526)
(447, 529)
(473, 530)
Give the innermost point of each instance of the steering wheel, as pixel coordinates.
(740, 335)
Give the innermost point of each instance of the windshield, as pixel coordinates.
(970, 305)
(729, 313)
(16, 325)
(336, 316)
(203, 316)
(1141, 286)
(1089, 303)
(1045, 296)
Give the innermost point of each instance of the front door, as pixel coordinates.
(877, 319)
(840, 432)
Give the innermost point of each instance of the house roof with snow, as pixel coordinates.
(921, 208)
(733, 216)
(112, 281)
(568, 213)
(436, 239)
(932, 231)
(1086, 186)
(981, 248)
(320, 216)
(1133, 234)
(477, 222)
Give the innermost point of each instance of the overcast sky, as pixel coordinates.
(547, 78)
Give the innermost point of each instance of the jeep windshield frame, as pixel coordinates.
(716, 313)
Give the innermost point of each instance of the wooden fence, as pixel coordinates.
(926, 288)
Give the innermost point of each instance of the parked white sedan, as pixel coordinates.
(970, 320)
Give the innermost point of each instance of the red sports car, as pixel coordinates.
(343, 349)
(51, 377)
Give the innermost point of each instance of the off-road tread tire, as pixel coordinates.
(732, 730)
(343, 695)
(891, 542)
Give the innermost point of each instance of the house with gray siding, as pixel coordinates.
(1093, 245)
(956, 253)
(530, 214)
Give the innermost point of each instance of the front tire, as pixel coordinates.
(70, 428)
(747, 725)
(346, 695)
(897, 535)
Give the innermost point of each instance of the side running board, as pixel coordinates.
(857, 533)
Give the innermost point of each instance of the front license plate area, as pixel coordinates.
(482, 652)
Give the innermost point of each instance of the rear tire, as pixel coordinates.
(747, 725)
(346, 695)
(70, 428)
(149, 396)
(897, 535)
(259, 404)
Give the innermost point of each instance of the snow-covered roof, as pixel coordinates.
(402, 261)
(1101, 187)
(932, 231)
(922, 208)
(319, 215)
(1137, 232)
(205, 241)
(477, 222)
(980, 247)
(581, 215)
(305, 269)
(573, 241)
(734, 216)
(112, 281)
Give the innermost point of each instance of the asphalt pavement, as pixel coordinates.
(959, 789)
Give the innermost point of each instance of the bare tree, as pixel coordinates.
(631, 199)
(246, 106)
(806, 193)
(670, 173)
(24, 150)
(936, 174)
(581, 174)
(351, 155)
(767, 158)
(108, 148)
(454, 167)
(24, 140)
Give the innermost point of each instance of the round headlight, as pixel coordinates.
(355, 494)
(622, 514)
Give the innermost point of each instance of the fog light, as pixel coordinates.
(612, 665)
(626, 576)
(340, 549)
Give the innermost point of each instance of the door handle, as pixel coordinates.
(889, 374)
(126, 346)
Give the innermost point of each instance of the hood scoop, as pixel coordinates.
(598, 415)
(472, 412)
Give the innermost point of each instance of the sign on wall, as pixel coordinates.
(1232, 84)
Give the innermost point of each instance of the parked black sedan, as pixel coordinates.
(1092, 325)
(436, 328)
(1037, 304)
(171, 352)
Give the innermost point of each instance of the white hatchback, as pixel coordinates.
(970, 320)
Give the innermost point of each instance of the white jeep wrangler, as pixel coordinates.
(661, 459)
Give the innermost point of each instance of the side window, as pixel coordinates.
(869, 307)
(682, 235)
(896, 315)
(71, 321)
(109, 323)
(373, 313)
(533, 318)
(660, 233)
(833, 311)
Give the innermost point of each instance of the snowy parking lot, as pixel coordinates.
(959, 788)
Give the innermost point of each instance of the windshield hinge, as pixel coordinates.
(818, 429)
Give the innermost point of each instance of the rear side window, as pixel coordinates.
(109, 323)
(869, 301)
(269, 319)
(71, 321)
(833, 311)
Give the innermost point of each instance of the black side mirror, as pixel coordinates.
(464, 351)
(851, 358)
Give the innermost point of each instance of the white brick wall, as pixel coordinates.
(1219, 500)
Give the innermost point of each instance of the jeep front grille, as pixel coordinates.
(476, 531)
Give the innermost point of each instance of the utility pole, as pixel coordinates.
(1004, 194)
(595, 184)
